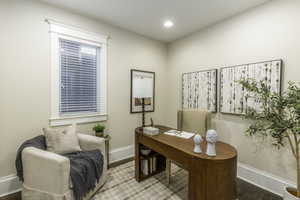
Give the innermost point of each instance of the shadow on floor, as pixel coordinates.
(247, 191)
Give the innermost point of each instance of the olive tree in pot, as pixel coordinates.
(279, 118)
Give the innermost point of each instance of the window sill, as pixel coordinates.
(68, 120)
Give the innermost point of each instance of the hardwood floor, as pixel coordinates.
(247, 191)
(16, 196)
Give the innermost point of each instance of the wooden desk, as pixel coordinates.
(210, 178)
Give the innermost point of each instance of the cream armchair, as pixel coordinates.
(47, 175)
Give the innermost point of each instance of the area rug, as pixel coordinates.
(121, 185)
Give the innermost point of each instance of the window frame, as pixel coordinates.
(58, 31)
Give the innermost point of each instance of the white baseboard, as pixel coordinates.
(121, 154)
(263, 179)
(11, 184)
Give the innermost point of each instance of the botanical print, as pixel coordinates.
(233, 98)
(199, 90)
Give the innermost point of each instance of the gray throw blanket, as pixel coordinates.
(86, 166)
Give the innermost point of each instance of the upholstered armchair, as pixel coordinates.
(191, 120)
(47, 175)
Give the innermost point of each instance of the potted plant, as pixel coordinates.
(99, 129)
(278, 118)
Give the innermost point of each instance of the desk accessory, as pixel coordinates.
(181, 134)
(197, 140)
(145, 151)
(149, 130)
(211, 138)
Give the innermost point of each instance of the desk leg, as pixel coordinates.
(107, 152)
(168, 170)
(137, 160)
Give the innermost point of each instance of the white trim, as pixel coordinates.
(9, 185)
(121, 154)
(76, 119)
(64, 29)
(262, 179)
(57, 31)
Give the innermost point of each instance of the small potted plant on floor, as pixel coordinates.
(99, 130)
(278, 118)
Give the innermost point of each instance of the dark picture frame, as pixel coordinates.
(135, 104)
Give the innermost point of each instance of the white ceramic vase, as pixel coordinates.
(197, 140)
(289, 196)
(211, 138)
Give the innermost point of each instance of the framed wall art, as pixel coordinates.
(199, 90)
(233, 98)
(136, 103)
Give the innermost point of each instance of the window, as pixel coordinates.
(78, 76)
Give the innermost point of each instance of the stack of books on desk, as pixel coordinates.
(148, 166)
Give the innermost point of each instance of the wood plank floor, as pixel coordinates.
(16, 196)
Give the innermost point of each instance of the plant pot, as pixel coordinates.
(99, 134)
(290, 194)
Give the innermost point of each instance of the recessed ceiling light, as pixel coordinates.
(168, 24)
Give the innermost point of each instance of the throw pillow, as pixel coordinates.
(62, 141)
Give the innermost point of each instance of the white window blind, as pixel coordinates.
(78, 77)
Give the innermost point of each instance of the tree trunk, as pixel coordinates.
(298, 178)
(298, 170)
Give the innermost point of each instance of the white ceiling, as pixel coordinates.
(146, 16)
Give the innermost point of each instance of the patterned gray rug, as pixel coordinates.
(121, 185)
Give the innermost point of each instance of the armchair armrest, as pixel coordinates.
(45, 171)
(89, 142)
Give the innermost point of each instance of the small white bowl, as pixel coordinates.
(145, 152)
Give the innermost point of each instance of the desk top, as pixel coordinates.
(224, 151)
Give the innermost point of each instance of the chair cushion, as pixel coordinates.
(62, 141)
(194, 120)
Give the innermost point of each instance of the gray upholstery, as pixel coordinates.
(47, 175)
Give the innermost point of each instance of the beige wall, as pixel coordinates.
(267, 32)
(25, 80)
